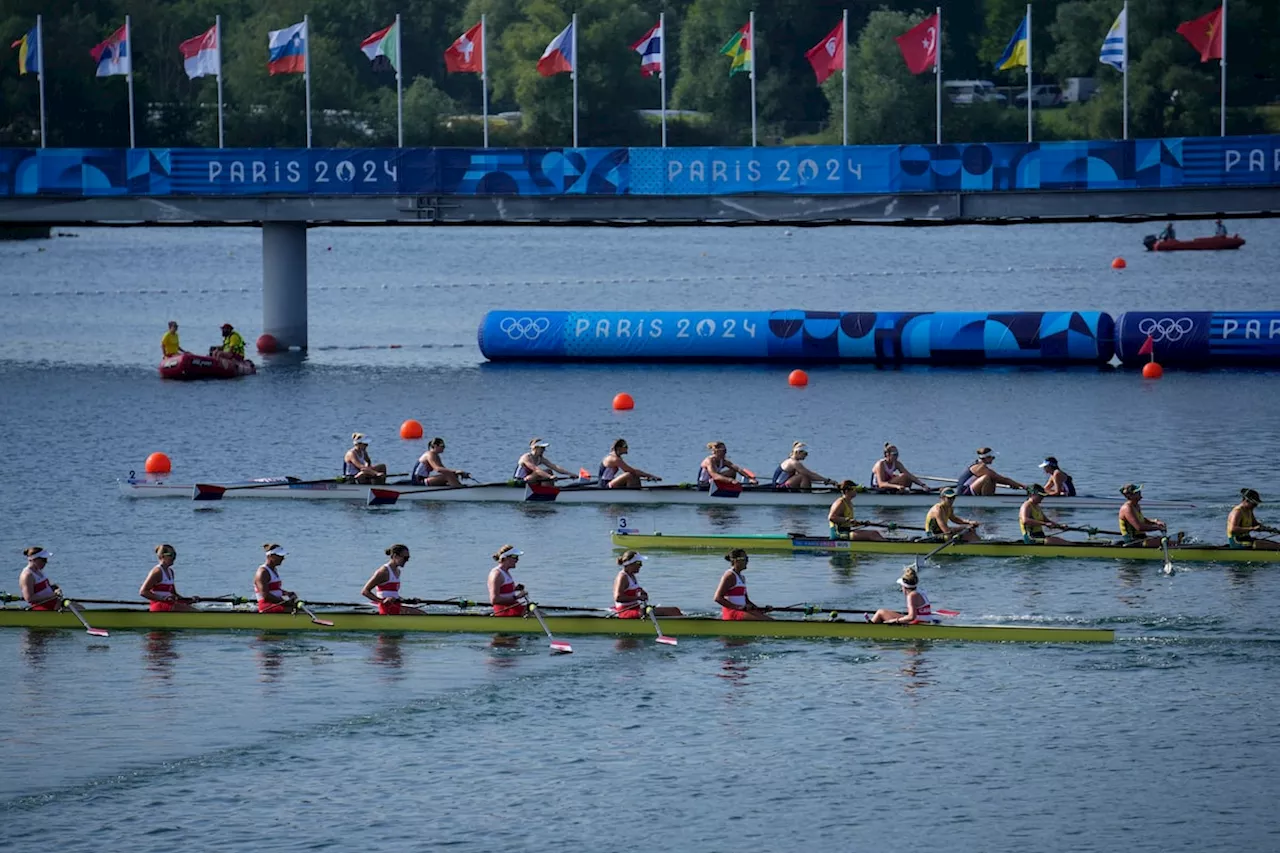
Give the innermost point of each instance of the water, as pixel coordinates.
(1162, 741)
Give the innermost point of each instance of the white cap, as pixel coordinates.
(278, 552)
(540, 443)
(359, 438)
(638, 558)
(800, 445)
(42, 555)
(514, 552)
(902, 583)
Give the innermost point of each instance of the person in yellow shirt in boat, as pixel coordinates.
(232, 343)
(840, 521)
(1032, 520)
(1134, 526)
(1241, 524)
(169, 344)
(937, 523)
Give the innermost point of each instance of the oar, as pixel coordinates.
(301, 605)
(557, 646)
(662, 638)
(387, 497)
(953, 538)
(1168, 563)
(1092, 531)
(79, 614)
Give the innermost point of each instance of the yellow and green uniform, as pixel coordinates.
(1131, 533)
(169, 343)
(845, 515)
(931, 528)
(233, 344)
(1246, 519)
(1033, 534)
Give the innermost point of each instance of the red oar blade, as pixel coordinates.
(383, 497)
(942, 612)
(98, 632)
(207, 492)
(668, 641)
(561, 647)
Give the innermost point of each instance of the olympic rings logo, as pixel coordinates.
(1166, 328)
(527, 328)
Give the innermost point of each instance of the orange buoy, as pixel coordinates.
(798, 379)
(158, 463)
(1118, 264)
(1152, 370)
(267, 343)
(410, 429)
(623, 402)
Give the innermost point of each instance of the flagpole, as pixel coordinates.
(399, 88)
(484, 76)
(662, 70)
(751, 25)
(1029, 98)
(1222, 122)
(937, 77)
(217, 35)
(574, 72)
(306, 70)
(844, 74)
(128, 49)
(1125, 79)
(40, 73)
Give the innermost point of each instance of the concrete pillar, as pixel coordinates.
(284, 282)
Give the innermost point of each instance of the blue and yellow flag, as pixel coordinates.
(28, 53)
(1015, 55)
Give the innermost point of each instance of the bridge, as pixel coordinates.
(286, 190)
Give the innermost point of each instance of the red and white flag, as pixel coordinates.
(466, 54)
(919, 45)
(827, 56)
(200, 55)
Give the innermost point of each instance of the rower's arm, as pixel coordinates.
(153, 578)
(25, 586)
(554, 467)
(723, 589)
(1007, 481)
(910, 615)
(378, 577)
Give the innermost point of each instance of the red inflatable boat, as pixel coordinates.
(1203, 244)
(189, 365)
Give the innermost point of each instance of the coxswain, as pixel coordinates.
(535, 467)
(431, 470)
(159, 587)
(919, 610)
(792, 473)
(840, 520)
(889, 474)
(1241, 524)
(232, 343)
(1060, 483)
(1134, 526)
(981, 479)
(383, 586)
(1219, 230)
(37, 590)
(937, 523)
(272, 596)
(731, 594)
(616, 473)
(169, 343)
(630, 600)
(357, 467)
(1032, 520)
(717, 467)
(507, 597)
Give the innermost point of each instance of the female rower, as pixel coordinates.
(629, 598)
(386, 581)
(1060, 482)
(937, 524)
(617, 473)
(272, 596)
(840, 520)
(431, 470)
(357, 467)
(891, 475)
(534, 467)
(731, 594)
(507, 597)
(792, 473)
(37, 590)
(159, 587)
(718, 467)
(1032, 520)
(1241, 524)
(981, 479)
(1134, 526)
(919, 610)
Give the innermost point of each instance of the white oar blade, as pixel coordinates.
(668, 641)
(560, 647)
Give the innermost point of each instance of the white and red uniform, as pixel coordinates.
(736, 595)
(508, 587)
(274, 584)
(164, 589)
(924, 612)
(42, 592)
(630, 605)
(389, 592)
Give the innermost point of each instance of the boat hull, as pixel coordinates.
(1199, 244)
(783, 542)
(189, 365)
(346, 621)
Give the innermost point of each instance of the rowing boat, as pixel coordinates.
(677, 626)
(515, 492)
(797, 542)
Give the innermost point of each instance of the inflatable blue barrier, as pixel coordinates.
(1200, 338)
(872, 337)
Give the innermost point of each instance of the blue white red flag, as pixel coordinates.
(650, 49)
(558, 57)
(287, 50)
(112, 55)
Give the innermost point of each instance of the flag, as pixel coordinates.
(558, 57)
(739, 49)
(1015, 53)
(1148, 348)
(1205, 34)
(112, 55)
(381, 48)
(650, 49)
(464, 54)
(1113, 46)
(200, 54)
(28, 53)
(919, 45)
(287, 50)
(827, 56)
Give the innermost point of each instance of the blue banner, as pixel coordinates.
(1200, 338)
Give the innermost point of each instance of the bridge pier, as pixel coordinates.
(284, 282)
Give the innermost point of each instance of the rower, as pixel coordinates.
(431, 470)
(616, 473)
(169, 343)
(1060, 483)
(37, 590)
(717, 467)
(159, 588)
(1032, 520)
(383, 587)
(357, 467)
(1134, 526)
(272, 596)
(731, 594)
(981, 479)
(232, 343)
(919, 610)
(534, 467)
(507, 597)
(889, 474)
(840, 520)
(1241, 524)
(792, 473)
(937, 523)
(629, 598)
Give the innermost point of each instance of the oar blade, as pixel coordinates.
(382, 497)
(207, 492)
(942, 612)
(98, 632)
(668, 641)
(560, 647)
